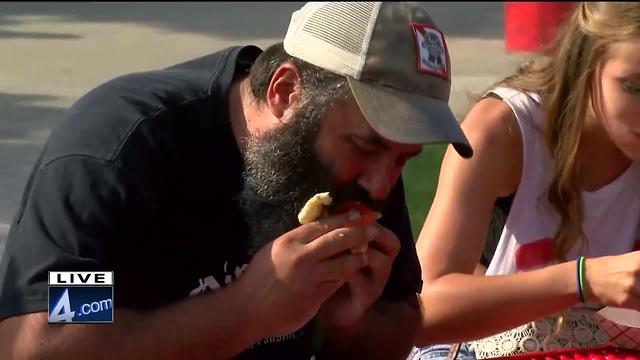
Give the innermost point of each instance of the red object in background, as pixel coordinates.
(602, 353)
(530, 26)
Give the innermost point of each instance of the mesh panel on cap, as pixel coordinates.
(329, 22)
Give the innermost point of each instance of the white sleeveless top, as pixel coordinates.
(610, 223)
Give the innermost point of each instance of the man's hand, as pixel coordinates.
(357, 324)
(346, 307)
(288, 280)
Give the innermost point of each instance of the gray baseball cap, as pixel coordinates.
(395, 59)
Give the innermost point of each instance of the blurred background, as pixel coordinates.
(52, 53)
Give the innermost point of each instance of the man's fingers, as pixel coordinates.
(387, 242)
(341, 240)
(379, 263)
(369, 282)
(342, 267)
(311, 231)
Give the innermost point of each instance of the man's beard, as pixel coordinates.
(282, 171)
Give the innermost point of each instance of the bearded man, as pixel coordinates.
(186, 183)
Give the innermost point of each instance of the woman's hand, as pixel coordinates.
(614, 280)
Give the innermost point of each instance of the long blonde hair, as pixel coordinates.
(563, 77)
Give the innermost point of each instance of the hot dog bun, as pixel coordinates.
(316, 206)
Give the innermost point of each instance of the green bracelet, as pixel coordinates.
(581, 292)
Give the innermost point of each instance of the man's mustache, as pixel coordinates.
(354, 192)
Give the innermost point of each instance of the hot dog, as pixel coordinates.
(319, 206)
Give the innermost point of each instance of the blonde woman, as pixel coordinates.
(562, 137)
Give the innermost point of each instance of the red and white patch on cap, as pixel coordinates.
(431, 50)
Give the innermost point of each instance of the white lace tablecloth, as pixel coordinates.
(579, 330)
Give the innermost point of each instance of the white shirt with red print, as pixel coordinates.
(611, 213)
(610, 223)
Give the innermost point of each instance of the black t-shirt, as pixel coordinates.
(140, 179)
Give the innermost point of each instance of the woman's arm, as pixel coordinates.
(457, 305)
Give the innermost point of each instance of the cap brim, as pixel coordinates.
(409, 118)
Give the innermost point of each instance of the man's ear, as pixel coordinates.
(284, 89)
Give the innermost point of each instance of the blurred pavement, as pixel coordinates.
(52, 53)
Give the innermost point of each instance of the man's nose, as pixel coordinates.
(379, 182)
